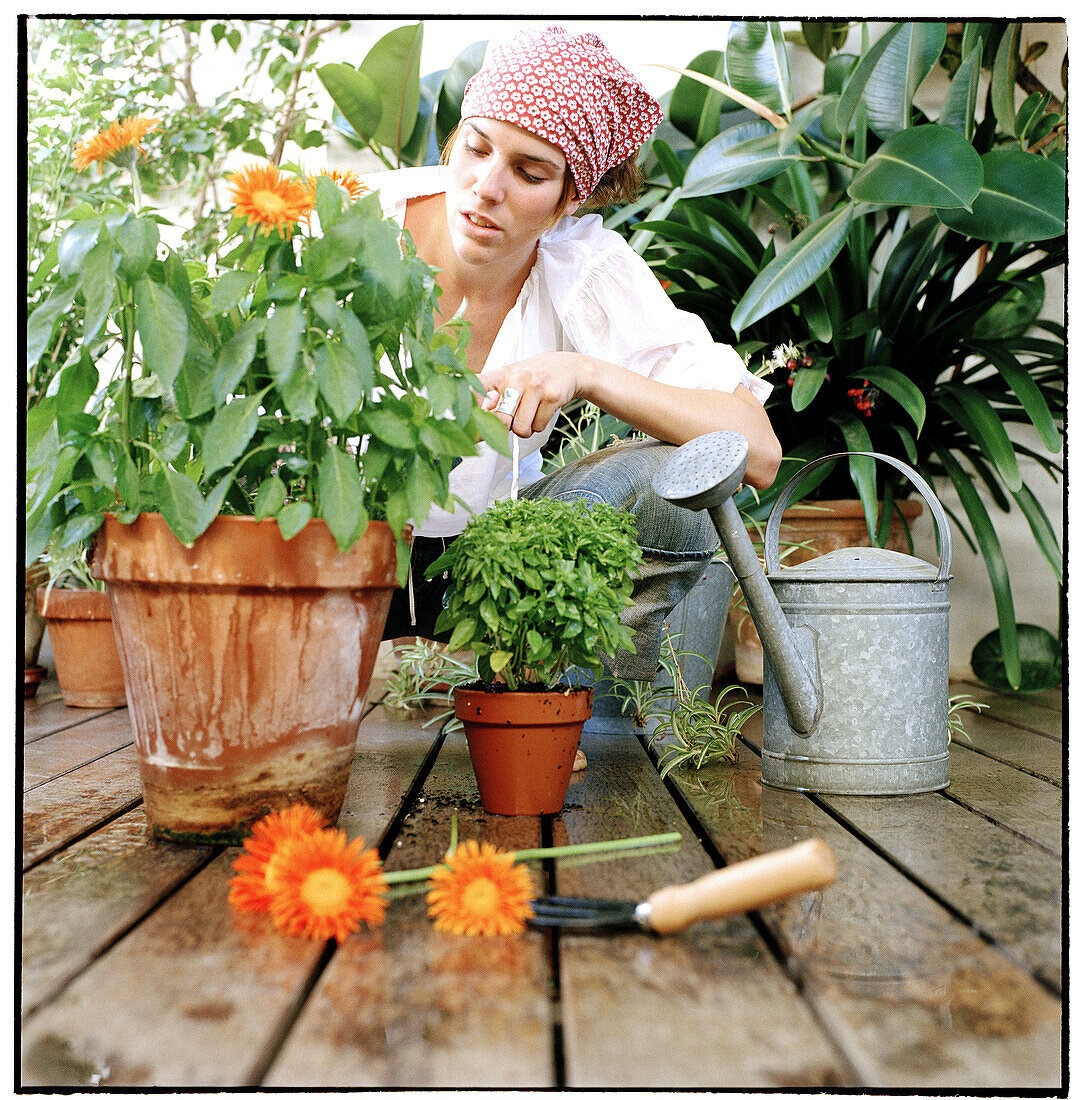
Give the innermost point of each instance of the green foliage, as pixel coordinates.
(1040, 655)
(956, 704)
(902, 265)
(254, 397)
(427, 677)
(537, 586)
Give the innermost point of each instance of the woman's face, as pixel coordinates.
(504, 188)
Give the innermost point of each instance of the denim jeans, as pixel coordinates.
(677, 546)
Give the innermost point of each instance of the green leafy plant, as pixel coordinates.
(956, 704)
(898, 285)
(305, 380)
(427, 677)
(537, 586)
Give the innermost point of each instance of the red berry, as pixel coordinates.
(807, 360)
(791, 364)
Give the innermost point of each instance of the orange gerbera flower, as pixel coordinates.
(269, 199)
(117, 141)
(257, 868)
(480, 890)
(325, 887)
(345, 179)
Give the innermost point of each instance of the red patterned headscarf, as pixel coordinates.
(571, 91)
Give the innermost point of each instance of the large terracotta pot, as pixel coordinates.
(522, 745)
(80, 627)
(814, 528)
(247, 660)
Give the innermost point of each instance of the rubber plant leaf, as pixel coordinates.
(1002, 84)
(737, 157)
(694, 109)
(450, 98)
(808, 255)
(393, 64)
(961, 100)
(163, 329)
(1022, 198)
(909, 58)
(924, 166)
(355, 94)
(991, 551)
(756, 63)
(851, 96)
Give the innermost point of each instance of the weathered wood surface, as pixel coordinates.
(706, 1008)
(933, 963)
(70, 806)
(51, 755)
(1039, 711)
(912, 996)
(409, 1006)
(198, 994)
(46, 713)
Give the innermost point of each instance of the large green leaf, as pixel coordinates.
(1025, 388)
(449, 101)
(851, 96)
(923, 166)
(809, 254)
(181, 503)
(973, 413)
(1042, 529)
(862, 468)
(338, 379)
(737, 157)
(393, 64)
(235, 356)
(285, 328)
(230, 432)
(991, 551)
(342, 497)
(355, 95)
(961, 100)
(907, 60)
(898, 387)
(1002, 84)
(163, 329)
(1022, 198)
(99, 272)
(694, 108)
(756, 63)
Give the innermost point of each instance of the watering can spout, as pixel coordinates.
(704, 474)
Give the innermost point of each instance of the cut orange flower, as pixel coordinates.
(345, 179)
(116, 142)
(325, 887)
(257, 868)
(479, 890)
(269, 199)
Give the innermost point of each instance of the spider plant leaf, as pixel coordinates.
(921, 166)
(986, 536)
(973, 413)
(1025, 388)
(796, 268)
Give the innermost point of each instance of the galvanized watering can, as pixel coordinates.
(855, 686)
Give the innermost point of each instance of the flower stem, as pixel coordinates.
(418, 874)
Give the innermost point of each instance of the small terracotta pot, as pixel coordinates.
(522, 745)
(80, 626)
(32, 678)
(247, 659)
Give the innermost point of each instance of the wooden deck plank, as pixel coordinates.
(48, 714)
(705, 1008)
(913, 997)
(1030, 807)
(1022, 748)
(54, 754)
(198, 994)
(77, 903)
(56, 813)
(1039, 711)
(410, 1006)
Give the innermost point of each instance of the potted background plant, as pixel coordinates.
(536, 588)
(75, 609)
(266, 435)
(902, 262)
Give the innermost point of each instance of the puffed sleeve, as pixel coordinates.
(612, 307)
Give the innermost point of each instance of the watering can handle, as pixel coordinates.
(774, 520)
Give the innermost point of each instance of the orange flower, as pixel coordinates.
(269, 199)
(123, 137)
(325, 887)
(480, 890)
(345, 179)
(257, 868)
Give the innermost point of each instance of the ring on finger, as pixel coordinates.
(509, 402)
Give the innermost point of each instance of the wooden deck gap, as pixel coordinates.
(289, 1018)
(552, 941)
(92, 827)
(76, 767)
(951, 797)
(411, 796)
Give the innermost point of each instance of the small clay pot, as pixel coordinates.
(522, 745)
(32, 678)
(80, 626)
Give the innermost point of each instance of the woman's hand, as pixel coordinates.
(543, 383)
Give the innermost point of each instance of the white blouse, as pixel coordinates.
(588, 292)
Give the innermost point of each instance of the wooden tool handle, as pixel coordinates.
(809, 865)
